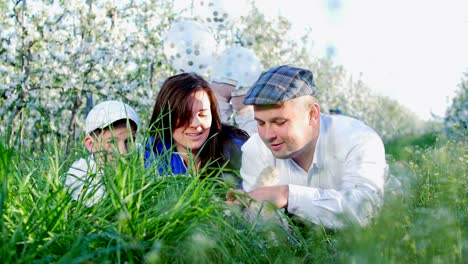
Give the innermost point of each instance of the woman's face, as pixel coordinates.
(191, 138)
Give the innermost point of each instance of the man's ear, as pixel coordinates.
(314, 113)
(89, 143)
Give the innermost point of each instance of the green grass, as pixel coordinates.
(425, 225)
(403, 148)
(183, 219)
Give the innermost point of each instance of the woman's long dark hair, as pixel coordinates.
(173, 109)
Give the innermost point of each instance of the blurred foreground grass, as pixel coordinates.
(183, 219)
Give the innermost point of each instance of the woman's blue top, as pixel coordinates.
(166, 156)
(170, 162)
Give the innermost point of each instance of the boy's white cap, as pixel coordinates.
(107, 112)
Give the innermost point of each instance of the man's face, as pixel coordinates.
(193, 136)
(113, 141)
(288, 129)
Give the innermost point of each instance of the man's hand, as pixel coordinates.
(237, 103)
(237, 98)
(278, 195)
(222, 90)
(238, 197)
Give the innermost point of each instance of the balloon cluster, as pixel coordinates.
(239, 64)
(190, 46)
(217, 14)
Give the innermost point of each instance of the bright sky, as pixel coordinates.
(413, 51)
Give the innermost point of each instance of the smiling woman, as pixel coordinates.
(186, 132)
(192, 134)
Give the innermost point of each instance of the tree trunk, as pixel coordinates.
(71, 124)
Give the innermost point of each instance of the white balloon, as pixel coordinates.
(190, 47)
(218, 14)
(239, 64)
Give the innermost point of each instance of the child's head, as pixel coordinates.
(110, 127)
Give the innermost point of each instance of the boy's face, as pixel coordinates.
(111, 142)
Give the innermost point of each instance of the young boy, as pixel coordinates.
(110, 128)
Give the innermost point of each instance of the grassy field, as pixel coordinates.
(183, 219)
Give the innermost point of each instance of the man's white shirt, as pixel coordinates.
(345, 181)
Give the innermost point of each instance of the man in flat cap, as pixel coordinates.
(327, 169)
